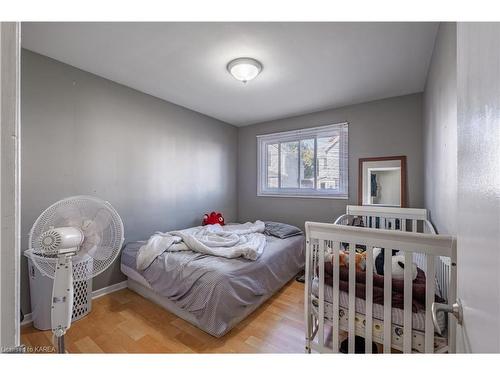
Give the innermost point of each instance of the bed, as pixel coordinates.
(395, 314)
(214, 293)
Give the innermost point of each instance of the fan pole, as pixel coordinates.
(60, 344)
(62, 299)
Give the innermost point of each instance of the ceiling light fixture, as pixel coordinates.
(244, 69)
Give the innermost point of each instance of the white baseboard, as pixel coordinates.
(108, 289)
(28, 318)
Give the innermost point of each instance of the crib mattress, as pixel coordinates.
(397, 315)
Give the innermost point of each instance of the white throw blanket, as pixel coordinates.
(229, 241)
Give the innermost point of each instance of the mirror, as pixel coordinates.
(382, 181)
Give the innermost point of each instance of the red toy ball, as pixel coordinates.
(213, 218)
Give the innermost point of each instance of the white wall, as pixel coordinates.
(462, 169)
(479, 185)
(389, 187)
(440, 132)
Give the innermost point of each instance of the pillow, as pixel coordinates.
(281, 230)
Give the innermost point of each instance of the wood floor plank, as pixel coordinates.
(126, 322)
(150, 345)
(109, 344)
(261, 346)
(87, 345)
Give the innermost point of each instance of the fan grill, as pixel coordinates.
(82, 267)
(102, 228)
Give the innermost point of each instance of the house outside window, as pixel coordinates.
(309, 162)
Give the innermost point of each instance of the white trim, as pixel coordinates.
(302, 196)
(342, 192)
(109, 289)
(10, 218)
(28, 320)
(302, 131)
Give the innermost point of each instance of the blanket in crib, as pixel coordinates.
(418, 292)
(229, 241)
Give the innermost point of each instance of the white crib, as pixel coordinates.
(333, 315)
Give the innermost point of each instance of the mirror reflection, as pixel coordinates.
(382, 181)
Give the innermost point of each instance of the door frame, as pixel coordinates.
(10, 185)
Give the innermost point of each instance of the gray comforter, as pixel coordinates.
(220, 292)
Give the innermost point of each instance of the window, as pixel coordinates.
(307, 163)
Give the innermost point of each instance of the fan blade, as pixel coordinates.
(102, 220)
(74, 222)
(91, 239)
(101, 253)
(69, 212)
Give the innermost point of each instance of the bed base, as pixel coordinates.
(139, 284)
(168, 305)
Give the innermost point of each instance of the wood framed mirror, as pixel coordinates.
(382, 181)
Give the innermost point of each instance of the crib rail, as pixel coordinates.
(407, 220)
(414, 237)
(404, 219)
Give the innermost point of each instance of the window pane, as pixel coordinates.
(307, 163)
(290, 164)
(328, 163)
(272, 165)
(311, 162)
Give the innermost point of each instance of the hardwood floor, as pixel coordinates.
(125, 322)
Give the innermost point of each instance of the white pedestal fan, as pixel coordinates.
(71, 230)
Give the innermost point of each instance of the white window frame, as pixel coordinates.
(297, 135)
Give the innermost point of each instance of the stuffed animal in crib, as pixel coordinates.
(397, 261)
(213, 218)
(360, 259)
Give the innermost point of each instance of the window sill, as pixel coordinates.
(268, 195)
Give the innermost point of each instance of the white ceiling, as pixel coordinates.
(307, 66)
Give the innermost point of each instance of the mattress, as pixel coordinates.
(397, 315)
(215, 292)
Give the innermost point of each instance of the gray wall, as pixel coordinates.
(440, 132)
(380, 128)
(160, 165)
